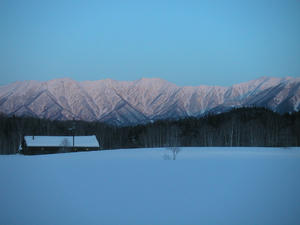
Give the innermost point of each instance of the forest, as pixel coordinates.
(238, 127)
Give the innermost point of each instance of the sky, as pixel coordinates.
(185, 42)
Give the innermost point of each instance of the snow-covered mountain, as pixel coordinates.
(144, 100)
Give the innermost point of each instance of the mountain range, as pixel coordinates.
(144, 100)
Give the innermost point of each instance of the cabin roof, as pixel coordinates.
(61, 141)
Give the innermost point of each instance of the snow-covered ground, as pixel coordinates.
(202, 186)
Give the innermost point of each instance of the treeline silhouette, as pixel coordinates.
(239, 127)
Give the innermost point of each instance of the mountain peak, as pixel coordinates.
(152, 80)
(146, 99)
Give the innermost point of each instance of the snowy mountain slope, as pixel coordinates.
(131, 102)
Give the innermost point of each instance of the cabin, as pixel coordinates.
(35, 145)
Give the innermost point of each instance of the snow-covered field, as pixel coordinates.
(202, 186)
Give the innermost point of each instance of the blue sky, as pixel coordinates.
(185, 42)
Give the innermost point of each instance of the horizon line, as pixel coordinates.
(150, 78)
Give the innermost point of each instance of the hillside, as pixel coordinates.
(142, 101)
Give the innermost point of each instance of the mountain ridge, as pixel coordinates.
(143, 100)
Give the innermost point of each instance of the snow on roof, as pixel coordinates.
(55, 141)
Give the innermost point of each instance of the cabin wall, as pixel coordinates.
(53, 150)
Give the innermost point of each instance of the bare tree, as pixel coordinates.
(65, 144)
(174, 152)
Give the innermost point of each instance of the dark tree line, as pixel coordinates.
(239, 127)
